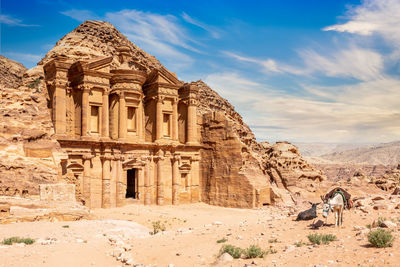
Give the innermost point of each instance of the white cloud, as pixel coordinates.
(364, 112)
(11, 21)
(354, 62)
(379, 17)
(80, 15)
(214, 32)
(161, 35)
(359, 63)
(25, 58)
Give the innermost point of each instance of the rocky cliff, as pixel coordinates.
(26, 147)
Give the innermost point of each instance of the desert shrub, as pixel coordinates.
(380, 238)
(34, 84)
(65, 226)
(16, 239)
(234, 251)
(273, 240)
(254, 251)
(321, 238)
(271, 251)
(299, 244)
(157, 227)
(223, 240)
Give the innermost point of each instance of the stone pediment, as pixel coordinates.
(164, 77)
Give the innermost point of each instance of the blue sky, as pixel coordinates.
(303, 71)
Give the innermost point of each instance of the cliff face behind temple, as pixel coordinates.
(235, 169)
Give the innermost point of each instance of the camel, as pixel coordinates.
(336, 205)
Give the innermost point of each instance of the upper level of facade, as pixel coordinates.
(114, 99)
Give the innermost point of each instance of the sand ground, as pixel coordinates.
(191, 238)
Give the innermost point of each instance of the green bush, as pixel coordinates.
(321, 238)
(223, 240)
(299, 244)
(157, 227)
(234, 251)
(34, 84)
(16, 239)
(254, 251)
(380, 238)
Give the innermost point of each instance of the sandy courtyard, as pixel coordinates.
(191, 238)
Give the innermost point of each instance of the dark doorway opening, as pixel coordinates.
(131, 186)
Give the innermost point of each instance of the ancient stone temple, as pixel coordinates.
(128, 133)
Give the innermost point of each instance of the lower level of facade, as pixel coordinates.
(106, 174)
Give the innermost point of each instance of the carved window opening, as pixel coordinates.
(167, 125)
(94, 119)
(184, 182)
(131, 123)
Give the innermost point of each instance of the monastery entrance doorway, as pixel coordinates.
(132, 184)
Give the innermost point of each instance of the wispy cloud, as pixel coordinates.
(11, 21)
(162, 35)
(80, 15)
(379, 17)
(25, 58)
(214, 32)
(354, 62)
(363, 112)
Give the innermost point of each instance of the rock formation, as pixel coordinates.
(389, 181)
(236, 170)
(27, 154)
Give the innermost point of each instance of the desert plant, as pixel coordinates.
(65, 226)
(34, 84)
(299, 244)
(157, 227)
(223, 240)
(273, 240)
(16, 239)
(380, 238)
(234, 251)
(271, 251)
(321, 238)
(254, 251)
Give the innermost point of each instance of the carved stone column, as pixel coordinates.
(175, 179)
(85, 110)
(194, 175)
(105, 130)
(60, 107)
(122, 116)
(147, 193)
(139, 119)
(192, 122)
(159, 118)
(86, 178)
(106, 185)
(121, 190)
(175, 119)
(160, 180)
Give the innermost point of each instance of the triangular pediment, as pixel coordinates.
(163, 76)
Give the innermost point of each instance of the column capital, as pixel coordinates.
(175, 157)
(159, 98)
(175, 100)
(85, 87)
(195, 158)
(106, 157)
(87, 156)
(106, 91)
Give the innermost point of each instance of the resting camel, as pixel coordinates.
(336, 205)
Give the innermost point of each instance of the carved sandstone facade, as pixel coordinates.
(127, 133)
